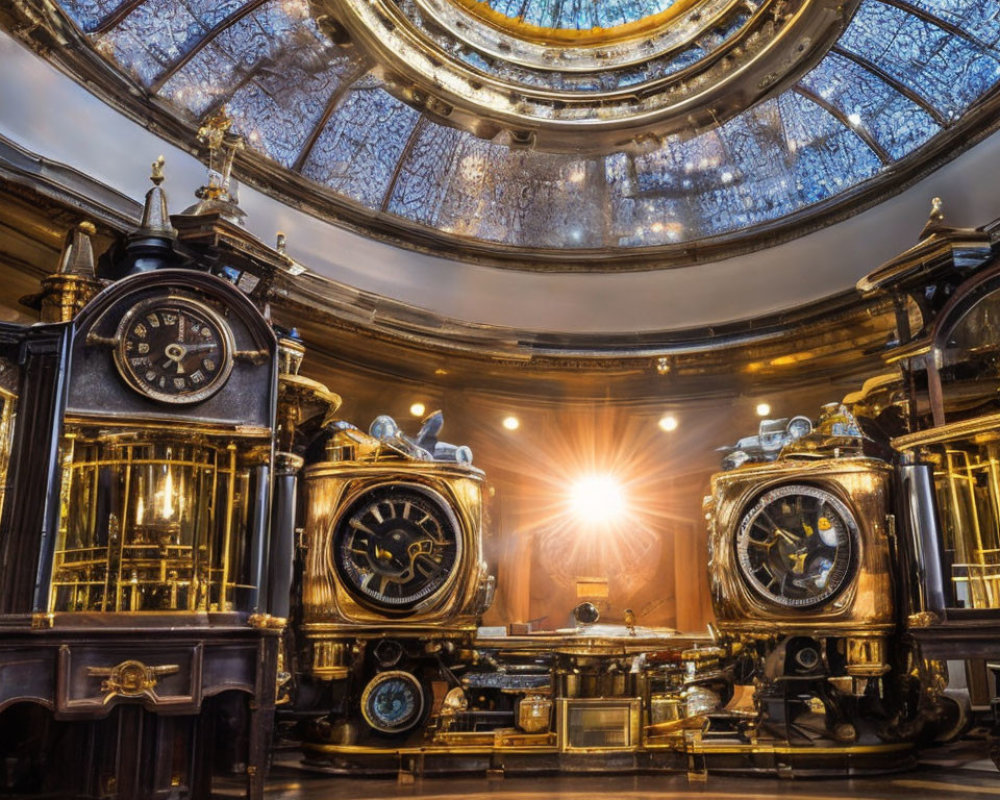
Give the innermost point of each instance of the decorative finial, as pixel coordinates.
(214, 129)
(156, 176)
(155, 215)
(78, 252)
(215, 133)
(280, 243)
(935, 219)
(73, 285)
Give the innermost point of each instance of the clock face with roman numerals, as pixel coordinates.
(174, 350)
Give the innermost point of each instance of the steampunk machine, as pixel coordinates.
(161, 605)
(146, 533)
(393, 588)
(852, 570)
(853, 565)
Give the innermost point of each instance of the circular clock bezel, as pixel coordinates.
(843, 569)
(350, 573)
(377, 685)
(181, 304)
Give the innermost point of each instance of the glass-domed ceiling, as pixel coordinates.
(568, 134)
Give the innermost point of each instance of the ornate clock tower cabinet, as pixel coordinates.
(140, 611)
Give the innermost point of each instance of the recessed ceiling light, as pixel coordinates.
(511, 423)
(668, 422)
(418, 409)
(763, 409)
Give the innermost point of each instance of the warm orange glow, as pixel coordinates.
(511, 423)
(597, 499)
(594, 491)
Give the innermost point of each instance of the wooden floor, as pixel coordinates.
(961, 772)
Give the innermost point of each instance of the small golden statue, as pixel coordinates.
(216, 134)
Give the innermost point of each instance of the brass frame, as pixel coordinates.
(329, 607)
(864, 608)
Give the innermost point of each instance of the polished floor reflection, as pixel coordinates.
(962, 772)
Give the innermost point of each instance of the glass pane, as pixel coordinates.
(967, 484)
(152, 524)
(8, 412)
(969, 361)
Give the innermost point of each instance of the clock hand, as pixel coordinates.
(180, 366)
(791, 538)
(175, 353)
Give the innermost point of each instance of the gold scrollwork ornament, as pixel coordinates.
(130, 678)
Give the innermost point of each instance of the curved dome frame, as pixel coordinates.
(901, 92)
(697, 70)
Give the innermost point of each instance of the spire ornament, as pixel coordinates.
(74, 283)
(153, 244)
(155, 214)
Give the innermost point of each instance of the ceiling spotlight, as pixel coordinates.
(763, 409)
(418, 409)
(597, 499)
(511, 423)
(668, 422)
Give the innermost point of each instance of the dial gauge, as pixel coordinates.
(797, 546)
(396, 546)
(393, 702)
(174, 350)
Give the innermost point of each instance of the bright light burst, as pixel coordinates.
(597, 499)
(593, 489)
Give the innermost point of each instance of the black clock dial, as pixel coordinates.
(393, 702)
(174, 350)
(396, 546)
(797, 546)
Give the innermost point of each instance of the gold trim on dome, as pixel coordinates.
(574, 36)
(769, 50)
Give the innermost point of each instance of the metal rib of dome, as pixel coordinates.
(900, 79)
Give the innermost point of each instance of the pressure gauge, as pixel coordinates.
(174, 350)
(797, 546)
(396, 546)
(393, 702)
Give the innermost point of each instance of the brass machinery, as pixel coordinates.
(394, 580)
(393, 590)
(803, 574)
(849, 561)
